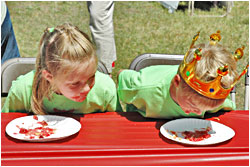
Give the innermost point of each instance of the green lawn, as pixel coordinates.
(140, 27)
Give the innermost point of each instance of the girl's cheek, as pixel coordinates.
(69, 92)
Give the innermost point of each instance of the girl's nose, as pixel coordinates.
(85, 89)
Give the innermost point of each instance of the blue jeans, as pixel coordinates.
(9, 48)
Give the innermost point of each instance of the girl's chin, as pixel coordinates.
(78, 99)
(190, 111)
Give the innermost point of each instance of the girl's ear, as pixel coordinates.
(177, 80)
(47, 75)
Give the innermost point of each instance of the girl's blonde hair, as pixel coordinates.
(61, 51)
(213, 57)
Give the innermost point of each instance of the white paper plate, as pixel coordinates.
(218, 132)
(64, 127)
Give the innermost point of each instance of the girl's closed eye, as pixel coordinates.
(74, 84)
(90, 82)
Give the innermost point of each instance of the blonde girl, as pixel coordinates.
(66, 77)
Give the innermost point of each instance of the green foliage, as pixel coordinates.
(140, 27)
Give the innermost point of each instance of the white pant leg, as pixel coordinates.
(102, 29)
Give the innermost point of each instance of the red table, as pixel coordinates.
(126, 139)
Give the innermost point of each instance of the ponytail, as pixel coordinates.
(61, 49)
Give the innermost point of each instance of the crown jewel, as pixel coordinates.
(212, 89)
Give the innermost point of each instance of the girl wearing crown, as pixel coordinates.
(200, 84)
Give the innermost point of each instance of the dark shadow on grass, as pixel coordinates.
(202, 5)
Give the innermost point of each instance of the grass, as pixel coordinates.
(140, 27)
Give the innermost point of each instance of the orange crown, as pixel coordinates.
(212, 89)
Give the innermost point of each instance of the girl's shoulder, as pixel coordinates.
(103, 78)
(104, 83)
(28, 76)
(25, 80)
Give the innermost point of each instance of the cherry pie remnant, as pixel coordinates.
(195, 136)
(41, 131)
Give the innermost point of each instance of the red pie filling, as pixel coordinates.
(38, 132)
(195, 136)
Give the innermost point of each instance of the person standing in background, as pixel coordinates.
(102, 31)
(9, 48)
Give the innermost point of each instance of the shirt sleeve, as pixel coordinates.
(126, 82)
(18, 99)
(111, 97)
(105, 93)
